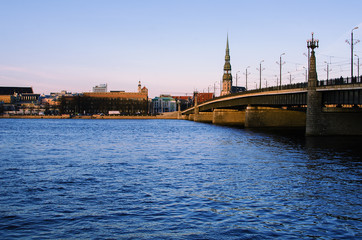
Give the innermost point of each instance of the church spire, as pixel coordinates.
(227, 78)
(139, 86)
(227, 56)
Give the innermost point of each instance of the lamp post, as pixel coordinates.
(352, 43)
(308, 56)
(277, 79)
(220, 87)
(306, 74)
(246, 77)
(236, 78)
(357, 66)
(208, 88)
(290, 77)
(215, 88)
(327, 70)
(312, 75)
(280, 69)
(260, 70)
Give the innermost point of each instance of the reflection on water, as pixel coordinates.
(166, 179)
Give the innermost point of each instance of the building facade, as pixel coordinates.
(18, 100)
(183, 101)
(100, 88)
(18, 95)
(203, 97)
(89, 103)
(163, 103)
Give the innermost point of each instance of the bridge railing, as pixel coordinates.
(340, 81)
(274, 88)
(283, 87)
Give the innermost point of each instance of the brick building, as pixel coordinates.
(127, 103)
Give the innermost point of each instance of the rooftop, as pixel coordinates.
(12, 90)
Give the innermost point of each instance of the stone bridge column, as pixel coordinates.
(196, 108)
(314, 122)
(229, 117)
(205, 117)
(179, 115)
(267, 117)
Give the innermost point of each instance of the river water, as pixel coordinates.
(174, 179)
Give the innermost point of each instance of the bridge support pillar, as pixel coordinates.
(314, 123)
(228, 117)
(184, 117)
(340, 121)
(267, 117)
(191, 117)
(205, 117)
(179, 115)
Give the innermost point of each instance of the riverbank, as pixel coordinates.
(171, 115)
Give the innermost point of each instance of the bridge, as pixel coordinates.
(339, 111)
(337, 92)
(331, 107)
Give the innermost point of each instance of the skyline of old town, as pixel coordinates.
(171, 47)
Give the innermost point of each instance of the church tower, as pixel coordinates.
(227, 81)
(139, 86)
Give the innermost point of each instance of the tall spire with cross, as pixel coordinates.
(227, 78)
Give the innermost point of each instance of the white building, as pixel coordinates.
(164, 103)
(100, 89)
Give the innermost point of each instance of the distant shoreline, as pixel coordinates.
(166, 116)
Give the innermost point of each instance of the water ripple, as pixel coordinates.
(165, 179)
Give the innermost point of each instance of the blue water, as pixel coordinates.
(173, 179)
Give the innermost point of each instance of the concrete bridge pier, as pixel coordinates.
(205, 117)
(183, 117)
(340, 121)
(314, 121)
(267, 117)
(315, 124)
(228, 117)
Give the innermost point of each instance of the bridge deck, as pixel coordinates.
(332, 94)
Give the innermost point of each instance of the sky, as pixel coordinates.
(172, 47)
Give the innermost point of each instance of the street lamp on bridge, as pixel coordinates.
(280, 68)
(312, 75)
(352, 43)
(357, 65)
(208, 88)
(290, 78)
(246, 77)
(327, 70)
(215, 88)
(308, 63)
(277, 79)
(260, 70)
(306, 74)
(236, 78)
